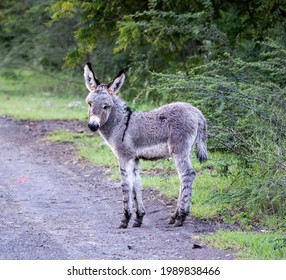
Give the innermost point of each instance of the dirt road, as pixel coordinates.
(55, 208)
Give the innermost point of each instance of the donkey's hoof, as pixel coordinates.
(180, 220)
(123, 225)
(136, 224)
(178, 223)
(173, 218)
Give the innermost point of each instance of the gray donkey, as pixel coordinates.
(171, 130)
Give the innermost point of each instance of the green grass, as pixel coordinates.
(210, 180)
(41, 108)
(31, 95)
(205, 185)
(250, 245)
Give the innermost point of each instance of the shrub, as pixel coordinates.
(244, 102)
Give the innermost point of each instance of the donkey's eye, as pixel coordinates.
(105, 107)
(89, 103)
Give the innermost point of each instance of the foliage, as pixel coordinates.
(25, 38)
(233, 94)
(243, 21)
(95, 34)
(165, 36)
(155, 35)
(171, 40)
(178, 35)
(244, 102)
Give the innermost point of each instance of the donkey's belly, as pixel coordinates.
(153, 152)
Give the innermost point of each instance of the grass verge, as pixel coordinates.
(249, 245)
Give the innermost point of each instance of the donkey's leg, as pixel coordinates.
(137, 195)
(187, 175)
(126, 169)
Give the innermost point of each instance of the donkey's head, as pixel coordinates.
(100, 99)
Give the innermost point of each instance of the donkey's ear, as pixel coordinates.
(117, 83)
(90, 79)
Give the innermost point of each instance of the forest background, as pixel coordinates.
(228, 58)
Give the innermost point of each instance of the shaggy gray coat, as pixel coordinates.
(171, 130)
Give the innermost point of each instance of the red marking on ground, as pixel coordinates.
(20, 180)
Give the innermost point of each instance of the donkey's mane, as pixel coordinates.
(129, 112)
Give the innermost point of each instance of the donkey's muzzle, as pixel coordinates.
(93, 126)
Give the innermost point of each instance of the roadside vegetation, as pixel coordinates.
(228, 58)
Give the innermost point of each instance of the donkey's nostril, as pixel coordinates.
(93, 126)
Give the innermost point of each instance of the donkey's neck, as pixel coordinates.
(118, 120)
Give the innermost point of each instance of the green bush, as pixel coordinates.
(244, 102)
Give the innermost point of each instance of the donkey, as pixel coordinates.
(171, 130)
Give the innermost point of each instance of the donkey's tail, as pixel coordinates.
(202, 153)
